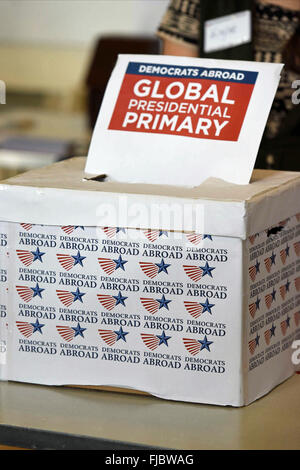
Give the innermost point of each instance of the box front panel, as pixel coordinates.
(273, 305)
(149, 310)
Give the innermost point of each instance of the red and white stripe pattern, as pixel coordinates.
(283, 291)
(252, 238)
(108, 336)
(151, 305)
(268, 263)
(26, 293)
(297, 318)
(152, 235)
(107, 301)
(27, 226)
(110, 232)
(252, 346)
(195, 309)
(192, 346)
(151, 341)
(26, 329)
(283, 255)
(66, 261)
(267, 335)
(150, 269)
(65, 297)
(193, 272)
(252, 272)
(297, 248)
(66, 332)
(284, 326)
(68, 229)
(297, 284)
(252, 309)
(108, 265)
(194, 238)
(268, 300)
(26, 257)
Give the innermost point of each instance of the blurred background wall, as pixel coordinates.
(55, 59)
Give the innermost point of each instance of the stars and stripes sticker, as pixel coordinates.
(194, 346)
(254, 270)
(111, 232)
(297, 248)
(195, 309)
(110, 265)
(297, 284)
(69, 261)
(194, 238)
(28, 257)
(269, 333)
(269, 261)
(253, 344)
(298, 217)
(284, 325)
(152, 235)
(152, 341)
(151, 270)
(297, 318)
(28, 293)
(195, 273)
(153, 305)
(110, 337)
(252, 238)
(26, 227)
(284, 289)
(284, 253)
(67, 297)
(109, 302)
(270, 298)
(27, 329)
(68, 333)
(68, 229)
(254, 307)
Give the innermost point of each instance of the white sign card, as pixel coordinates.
(178, 120)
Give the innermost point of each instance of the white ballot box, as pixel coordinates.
(201, 304)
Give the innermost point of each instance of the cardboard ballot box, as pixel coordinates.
(206, 315)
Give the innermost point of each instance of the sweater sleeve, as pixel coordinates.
(181, 22)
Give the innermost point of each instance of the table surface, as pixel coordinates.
(59, 417)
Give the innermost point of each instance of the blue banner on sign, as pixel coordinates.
(180, 71)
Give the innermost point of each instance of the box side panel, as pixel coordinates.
(273, 306)
(148, 310)
(3, 297)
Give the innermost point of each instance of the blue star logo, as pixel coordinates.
(162, 267)
(273, 294)
(37, 291)
(207, 236)
(37, 326)
(163, 302)
(207, 306)
(163, 232)
(78, 330)
(287, 286)
(77, 295)
(205, 343)
(257, 302)
(272, 330)
(287, 321)
(287, 250)
(207, 270)
(257, 266)
(163, 339)
(272, 258)
(120, 229)
(121, 334)
(78, 259)
(37, 255)
(257, 340)
(120, 299)
(120, 263)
